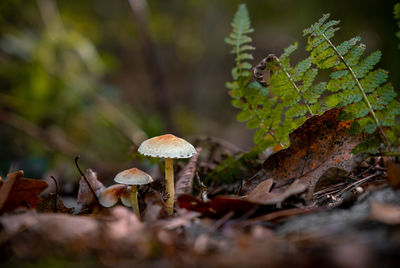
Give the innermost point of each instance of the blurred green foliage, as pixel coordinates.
(396, 13)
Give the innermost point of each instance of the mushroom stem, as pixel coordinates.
(169, 177)
(134, 201)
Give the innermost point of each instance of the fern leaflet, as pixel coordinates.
(285, 95)
(364, 93)
(250, 97)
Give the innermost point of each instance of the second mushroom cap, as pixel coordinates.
(167, 146)
(133, 176)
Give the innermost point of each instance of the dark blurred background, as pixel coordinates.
(94, 78)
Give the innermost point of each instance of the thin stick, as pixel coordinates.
(357, 182)
(87, 181)
(55, 195)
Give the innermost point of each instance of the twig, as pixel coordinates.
(356, 183)
(203, 189)
(55, 195)
(87, 181)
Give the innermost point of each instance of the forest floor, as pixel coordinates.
(326, 213)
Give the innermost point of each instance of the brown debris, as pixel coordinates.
(219, 206)
(85, 193)
(184, 183)
(393, 174)
(262, 193)
(20, 192)
(322, 142)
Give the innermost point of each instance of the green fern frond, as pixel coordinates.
(286, 95)
(239, 39)
(251, 98)
(295, 89)
(370, 145)
(354, 84)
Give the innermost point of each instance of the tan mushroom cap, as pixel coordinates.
(167, 146)
(133, 176)
(109, 197)
(126, 197)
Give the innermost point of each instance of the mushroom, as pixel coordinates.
(168, 147)
(109, 197)
(133, 177)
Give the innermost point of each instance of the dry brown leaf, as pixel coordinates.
(20, 192)
(222, 205)
(386, 213)
(85, 194)
(184, 184)
(262, 191)
(393, 174)
(320, 143)
(262, 195)
(6, 186)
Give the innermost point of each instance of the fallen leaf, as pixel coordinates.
(320, 143)
(262, 195)
(386, 213)
(220, 206)
(85, 193)
(393, 174)
(330, 177)
(21, 192)
(184, 183)
(262, 191)
(7, 185)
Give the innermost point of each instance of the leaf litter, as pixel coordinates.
(278, 218)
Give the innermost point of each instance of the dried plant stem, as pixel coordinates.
(87, 181)
(378, 123)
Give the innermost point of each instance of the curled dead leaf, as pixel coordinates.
(393, 174)
(20, 192)
(220, 206)
(85, 194)
(184, 184)
(262, 195)
(322, 142)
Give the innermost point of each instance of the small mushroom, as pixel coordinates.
(109, 197)
(168, 147)
(133, 177)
